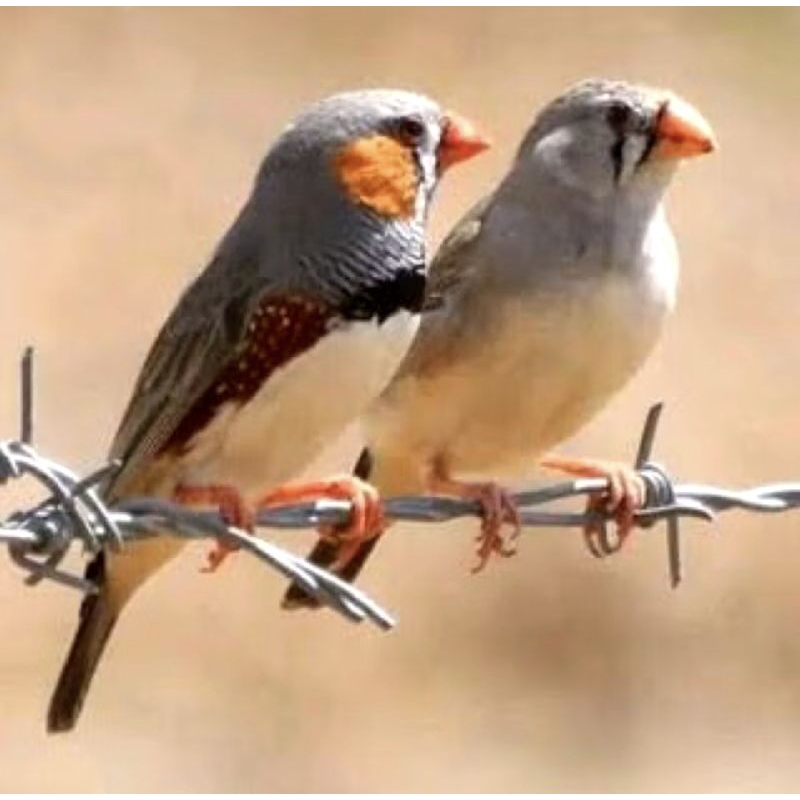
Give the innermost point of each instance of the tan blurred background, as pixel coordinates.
(128, 140)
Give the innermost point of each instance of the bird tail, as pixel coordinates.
(326, 553)
(97, 617)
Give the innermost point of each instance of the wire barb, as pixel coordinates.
(660, 491)
(39, 538)
(26, 400)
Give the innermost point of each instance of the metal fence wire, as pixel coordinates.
(38, 538)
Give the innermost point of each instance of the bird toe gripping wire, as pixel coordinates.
(39, 538)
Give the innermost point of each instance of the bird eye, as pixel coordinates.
(618, 115)
(410, 128)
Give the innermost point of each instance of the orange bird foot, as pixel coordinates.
(626, 494)
(366, 519)
(497, 510)
(232, 509)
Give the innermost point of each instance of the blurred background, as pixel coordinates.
(128, 140)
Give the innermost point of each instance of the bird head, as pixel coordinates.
(383, 150)
(605, 137)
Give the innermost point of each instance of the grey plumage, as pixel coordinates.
(547, 296)
(299, 235)
(277, 244)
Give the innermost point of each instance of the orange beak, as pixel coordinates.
(460, 141)
(682, 132)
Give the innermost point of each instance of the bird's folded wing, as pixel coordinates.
(215, 347)
(449, 271)
(450, 266)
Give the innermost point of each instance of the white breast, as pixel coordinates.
(546, 365)
(301, 407)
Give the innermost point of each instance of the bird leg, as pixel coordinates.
(366, 519)
(626, 494)
(497, 509)
(232, 508)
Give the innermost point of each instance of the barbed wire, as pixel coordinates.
(38, 538)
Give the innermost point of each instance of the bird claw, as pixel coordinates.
(498, 509)
(366, 521)
(218, 555)
(233, 510)
(626, 494)
(596, 534)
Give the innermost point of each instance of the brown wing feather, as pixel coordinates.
(213, 348)
(280, 328)
(175, 365)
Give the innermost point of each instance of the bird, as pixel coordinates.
(296, 323)
(546, 298)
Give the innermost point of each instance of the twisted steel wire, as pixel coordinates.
(38, 538)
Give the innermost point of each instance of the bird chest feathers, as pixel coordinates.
(255, 445)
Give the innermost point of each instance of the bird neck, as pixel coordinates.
(578, 233)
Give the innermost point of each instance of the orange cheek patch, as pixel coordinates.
(379, 172)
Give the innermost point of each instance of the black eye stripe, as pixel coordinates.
(618, 116)
(652, 136)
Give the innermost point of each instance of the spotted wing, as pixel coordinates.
(214, 348)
